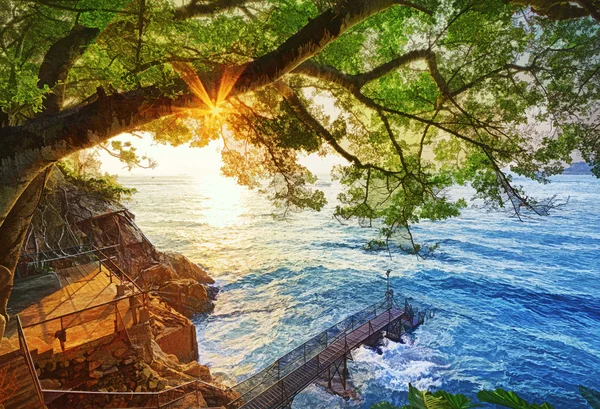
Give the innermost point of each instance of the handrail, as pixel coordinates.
(80, 253)
(153, 396)
(320, 369)
(29, 361)
(114, 301)
(131, 393)
(119, 269)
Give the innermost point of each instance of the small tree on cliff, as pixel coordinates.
(427, 93)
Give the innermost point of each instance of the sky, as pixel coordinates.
(183, 160)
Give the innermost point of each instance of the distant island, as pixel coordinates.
(578, 168)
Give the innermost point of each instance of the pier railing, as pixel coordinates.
(261, 381)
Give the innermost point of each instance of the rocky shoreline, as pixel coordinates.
(153, 355)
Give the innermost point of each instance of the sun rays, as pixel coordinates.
(214, 109)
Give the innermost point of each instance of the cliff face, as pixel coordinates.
(71, 231)
(68, 216)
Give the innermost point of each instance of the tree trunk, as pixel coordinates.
(12, 234)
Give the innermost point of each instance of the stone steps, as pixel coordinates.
(25, 396)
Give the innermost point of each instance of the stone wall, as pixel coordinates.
(180, 342)
(111, 363)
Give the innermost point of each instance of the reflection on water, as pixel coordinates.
(224, 204)
(518, 304)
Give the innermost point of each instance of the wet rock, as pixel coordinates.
(186, 296)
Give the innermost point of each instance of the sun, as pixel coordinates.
(215, 109)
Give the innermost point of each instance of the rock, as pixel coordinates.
(186, 296)
(94, 364)
(152, 383)
(119, 352)
(111, 371)
(197, 371)
(147, 373)
(91, 383)
(158, 273)
(50, 384)
(50, 366)
(139, 388)
(96, 374)
(184, 268)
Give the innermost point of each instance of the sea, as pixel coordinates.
(516, 303)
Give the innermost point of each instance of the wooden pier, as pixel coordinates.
(324, 360)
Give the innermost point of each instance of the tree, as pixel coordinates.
(428, 93)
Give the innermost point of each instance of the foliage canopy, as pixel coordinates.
(416, 96)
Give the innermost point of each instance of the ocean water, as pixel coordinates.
(517, 303)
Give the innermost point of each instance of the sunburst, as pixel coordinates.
(215, 109)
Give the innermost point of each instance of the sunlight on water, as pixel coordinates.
(517, 304)
(223, 205)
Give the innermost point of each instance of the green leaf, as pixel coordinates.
(591, 396)
(509, 400)
(384, 405)
(456, 401)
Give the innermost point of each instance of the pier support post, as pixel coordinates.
(338, 374)
(395, 330)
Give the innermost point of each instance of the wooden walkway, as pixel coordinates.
(281, 393)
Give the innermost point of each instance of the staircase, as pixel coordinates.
(18, 379)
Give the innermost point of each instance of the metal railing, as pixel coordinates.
(122, 309)
(32, 263)
(164, 399)
(24, 349)
(113, 268)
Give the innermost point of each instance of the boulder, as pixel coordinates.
(184, 268)
(196, 370)
(96, 374)
(186, 296)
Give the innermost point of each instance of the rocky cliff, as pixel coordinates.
(71, 217)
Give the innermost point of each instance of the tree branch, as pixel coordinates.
(200, 8)
(30, 148)
(59, 60)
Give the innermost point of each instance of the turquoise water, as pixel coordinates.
(517, 303)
